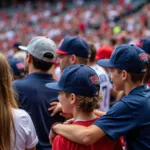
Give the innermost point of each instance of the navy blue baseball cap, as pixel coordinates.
(74, 45)
(127, 57)
(144, 43)
(78, 79)
(16, 45)
(17, 66)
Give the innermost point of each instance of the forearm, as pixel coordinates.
(99, 113)
(79, 134)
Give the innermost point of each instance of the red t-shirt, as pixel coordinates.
(105, 143)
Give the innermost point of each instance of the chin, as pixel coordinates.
(117, 88)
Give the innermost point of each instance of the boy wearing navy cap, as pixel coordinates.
(129, 117)
(79, 94)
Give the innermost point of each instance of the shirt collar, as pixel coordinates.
(40, 75)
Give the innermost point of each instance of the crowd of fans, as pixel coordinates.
(97, 23)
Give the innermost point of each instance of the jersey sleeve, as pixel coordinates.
(59, 143)
(117, 121)
(28, 130)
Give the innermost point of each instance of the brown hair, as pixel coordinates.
(93, 52)
(146, 78)
(87, 104)
(7, 102)
(83, 60)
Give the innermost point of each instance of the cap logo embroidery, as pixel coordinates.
(20, 65)
(94, 79)
(143, 57)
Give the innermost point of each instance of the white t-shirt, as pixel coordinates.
(26, 137)
(105, 87)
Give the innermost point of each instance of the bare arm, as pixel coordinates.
(99, 113)
(79, 134)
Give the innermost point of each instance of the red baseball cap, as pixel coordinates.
(104, 52)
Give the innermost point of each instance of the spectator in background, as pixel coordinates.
(105, 84)
(104, 52)
(113, 42)
(17, 51)
(34, 97)
(144, 43)
(17, 131)
(121, 39)
(17, 67)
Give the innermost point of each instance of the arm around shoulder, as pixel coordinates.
(79, 134)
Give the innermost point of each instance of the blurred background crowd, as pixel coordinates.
(102, 22)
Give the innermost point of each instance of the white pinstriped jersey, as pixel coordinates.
(105, 87)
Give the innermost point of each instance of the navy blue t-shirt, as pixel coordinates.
(34, 97)
(130, 117)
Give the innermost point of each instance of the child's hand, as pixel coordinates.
(55, 107)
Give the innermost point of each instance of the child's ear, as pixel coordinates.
(73, 98)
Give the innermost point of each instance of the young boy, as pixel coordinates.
(79, 94)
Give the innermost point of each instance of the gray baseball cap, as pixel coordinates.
(39, 46)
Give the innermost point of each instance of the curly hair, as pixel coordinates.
(87, 104)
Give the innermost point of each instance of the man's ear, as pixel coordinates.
(29, 58)
(73, 59)
(73, 98)
(124, 75)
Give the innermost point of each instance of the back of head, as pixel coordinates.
(17, 67)
(7, 102)
(42, 49)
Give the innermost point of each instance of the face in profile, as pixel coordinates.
(116, 78)
(64, 61)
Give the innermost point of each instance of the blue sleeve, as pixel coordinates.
(117, 121)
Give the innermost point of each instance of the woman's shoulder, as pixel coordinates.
(21, 116)
(19, 112)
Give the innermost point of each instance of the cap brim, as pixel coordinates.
(23, 48)
(54, 86)
(105, 63)
(61, 52)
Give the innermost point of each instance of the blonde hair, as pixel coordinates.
(7, 102)
(87, 104)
